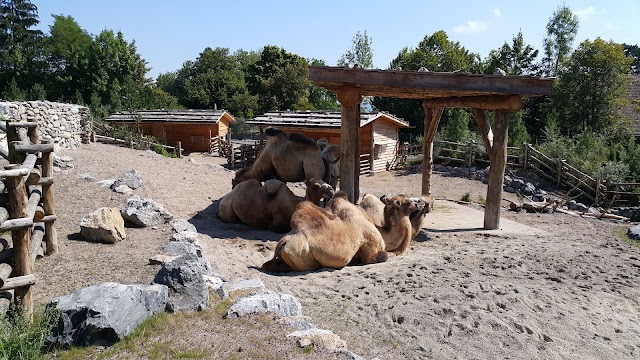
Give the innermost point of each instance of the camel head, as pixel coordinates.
(240, 174)
(317, 190)
(402, 204)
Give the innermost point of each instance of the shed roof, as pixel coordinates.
(318, 119)
(427, 84)
(632, 111)
(172, 116)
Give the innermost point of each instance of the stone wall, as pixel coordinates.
(68, 125)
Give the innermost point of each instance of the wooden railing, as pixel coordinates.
(27, 211)
(220, 146)
(242, 156)
(140, 143)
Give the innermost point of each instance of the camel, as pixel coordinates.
(269, 206)
(332, 237)
(398, 218)
(332, 154)
(288, 158)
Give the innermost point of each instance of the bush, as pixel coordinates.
(24, 339)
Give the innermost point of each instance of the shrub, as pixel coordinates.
(466, 197)
(21, 338)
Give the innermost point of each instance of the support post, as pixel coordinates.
(498, 159)
(18, 200)
(179, 149)
(48, 203)
(525, 155)
(431, 120)
(350, 100)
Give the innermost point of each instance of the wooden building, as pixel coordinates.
(197, 130)
(378, 132)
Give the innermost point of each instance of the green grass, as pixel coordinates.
(21, 338)
(622, 233)
(466, 197)
(482, 200)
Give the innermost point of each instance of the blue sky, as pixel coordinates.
(168, 33)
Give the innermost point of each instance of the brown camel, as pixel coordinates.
(398, 218)
(331, 237)
(288, 158)
(269, 206)
(332, 154)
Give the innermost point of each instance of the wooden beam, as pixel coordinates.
(34, 148)
(48, 203)
(485, 102)
(431, 120)
(498, 157)
(350, 100)
(19, 282)
(485, 129)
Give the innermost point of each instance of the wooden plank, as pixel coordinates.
(498, 157)
(34, 148)
(19, 282)
(16, 172)
(48, 203)
(484, 102)
(36, 242)
(18, 202)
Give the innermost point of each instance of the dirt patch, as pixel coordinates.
(570, 292)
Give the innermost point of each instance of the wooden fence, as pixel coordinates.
(557, 171)
(140, 143)
(220, 146)
(27, 212)
(243, 155)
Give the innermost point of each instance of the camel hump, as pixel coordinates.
(308, 216)
(303, 140)
(273, 131)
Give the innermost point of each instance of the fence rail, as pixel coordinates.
(27, 212)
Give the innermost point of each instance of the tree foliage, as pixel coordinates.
(360, 53)
(518, 58)
(561, 32)
(633, 51)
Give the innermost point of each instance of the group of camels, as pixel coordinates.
(334, 235)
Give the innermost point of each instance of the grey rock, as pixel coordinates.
(188, 236)
(634, 232)
(507, 180)
(181, 249)
(103, 225)
(188, 290)
(267, 302)
(517, 184)
(145, 212)
(61, 163)
(131, 178)
(298, 322)
(528, 189)
(509, 189)
(106, 183)
(122, 189)
(241, 288)
(214, 281)
(180, 225)
(319, 338)
(105, 313)
(86, 177)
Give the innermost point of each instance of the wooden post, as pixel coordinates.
(559, 180)
(48, 203)
(431, 120)
(179, 149)
(93, 136)
(525, 156)
(12, 136)
(18, 200)
(498, 159)
(32, 132)
(470, 146)
(350, 100)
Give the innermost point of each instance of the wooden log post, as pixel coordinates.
(179, 149)
(559, 169)
(32, 132)
(470, 146)
(431, 120)
(12, 137)
(18, 201)
(5, 271)
(350, 100)
(48, 203)
(498, 159)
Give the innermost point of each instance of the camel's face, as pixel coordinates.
(318, 189)
(411, 207)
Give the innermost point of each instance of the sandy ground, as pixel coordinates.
(545, 287)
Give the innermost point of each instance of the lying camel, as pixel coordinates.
(288, 158)
(332, 237)
(398, 218)
(269, 206)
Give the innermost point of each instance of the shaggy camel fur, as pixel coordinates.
(269, 206)
(288, 158)
(398, 218)
(332, 154)
(332, 237)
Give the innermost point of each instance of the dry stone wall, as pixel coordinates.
(68, 125)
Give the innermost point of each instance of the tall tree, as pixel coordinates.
(561, 32)
(633, 51)
(518, 58)
(67, 50)
(592, 88)
(279, 79)
(360, 52)
(319, 97)
(20, 53)
(436, 53)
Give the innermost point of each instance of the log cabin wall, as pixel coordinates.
(385, 138)
(193, 137)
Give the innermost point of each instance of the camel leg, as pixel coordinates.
(371, 252)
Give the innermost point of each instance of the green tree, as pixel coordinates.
(360, 52)
(518, 58)
(562, 29)
(20, 49)
(592, 88)
(279, 79)
(633, 51)
(319, 97)
(435, 53)
(67, 49)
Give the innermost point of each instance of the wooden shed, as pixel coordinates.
(197, 130)
(378, 132)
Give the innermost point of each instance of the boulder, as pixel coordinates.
(319, 338)
(298, 322)
(634, 232)
(528, 189)
(517, 184)
(105, 313)
(180, 248)
(187, 236)
(180, 225)
(131, 178)
(185, 278)
(241, 288)
(103, 225)
(61, 163)
(122, 189)
(145, 212)
(267, 302)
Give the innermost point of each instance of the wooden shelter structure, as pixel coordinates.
(196, 130)
(498, 93)
(378, 132)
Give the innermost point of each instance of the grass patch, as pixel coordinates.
(622, 233)
(482, 200)
(21, 338)
(222, 306)
(466, 197)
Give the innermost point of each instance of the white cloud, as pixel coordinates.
(586, 13)
(497, 12)
(471, 27)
